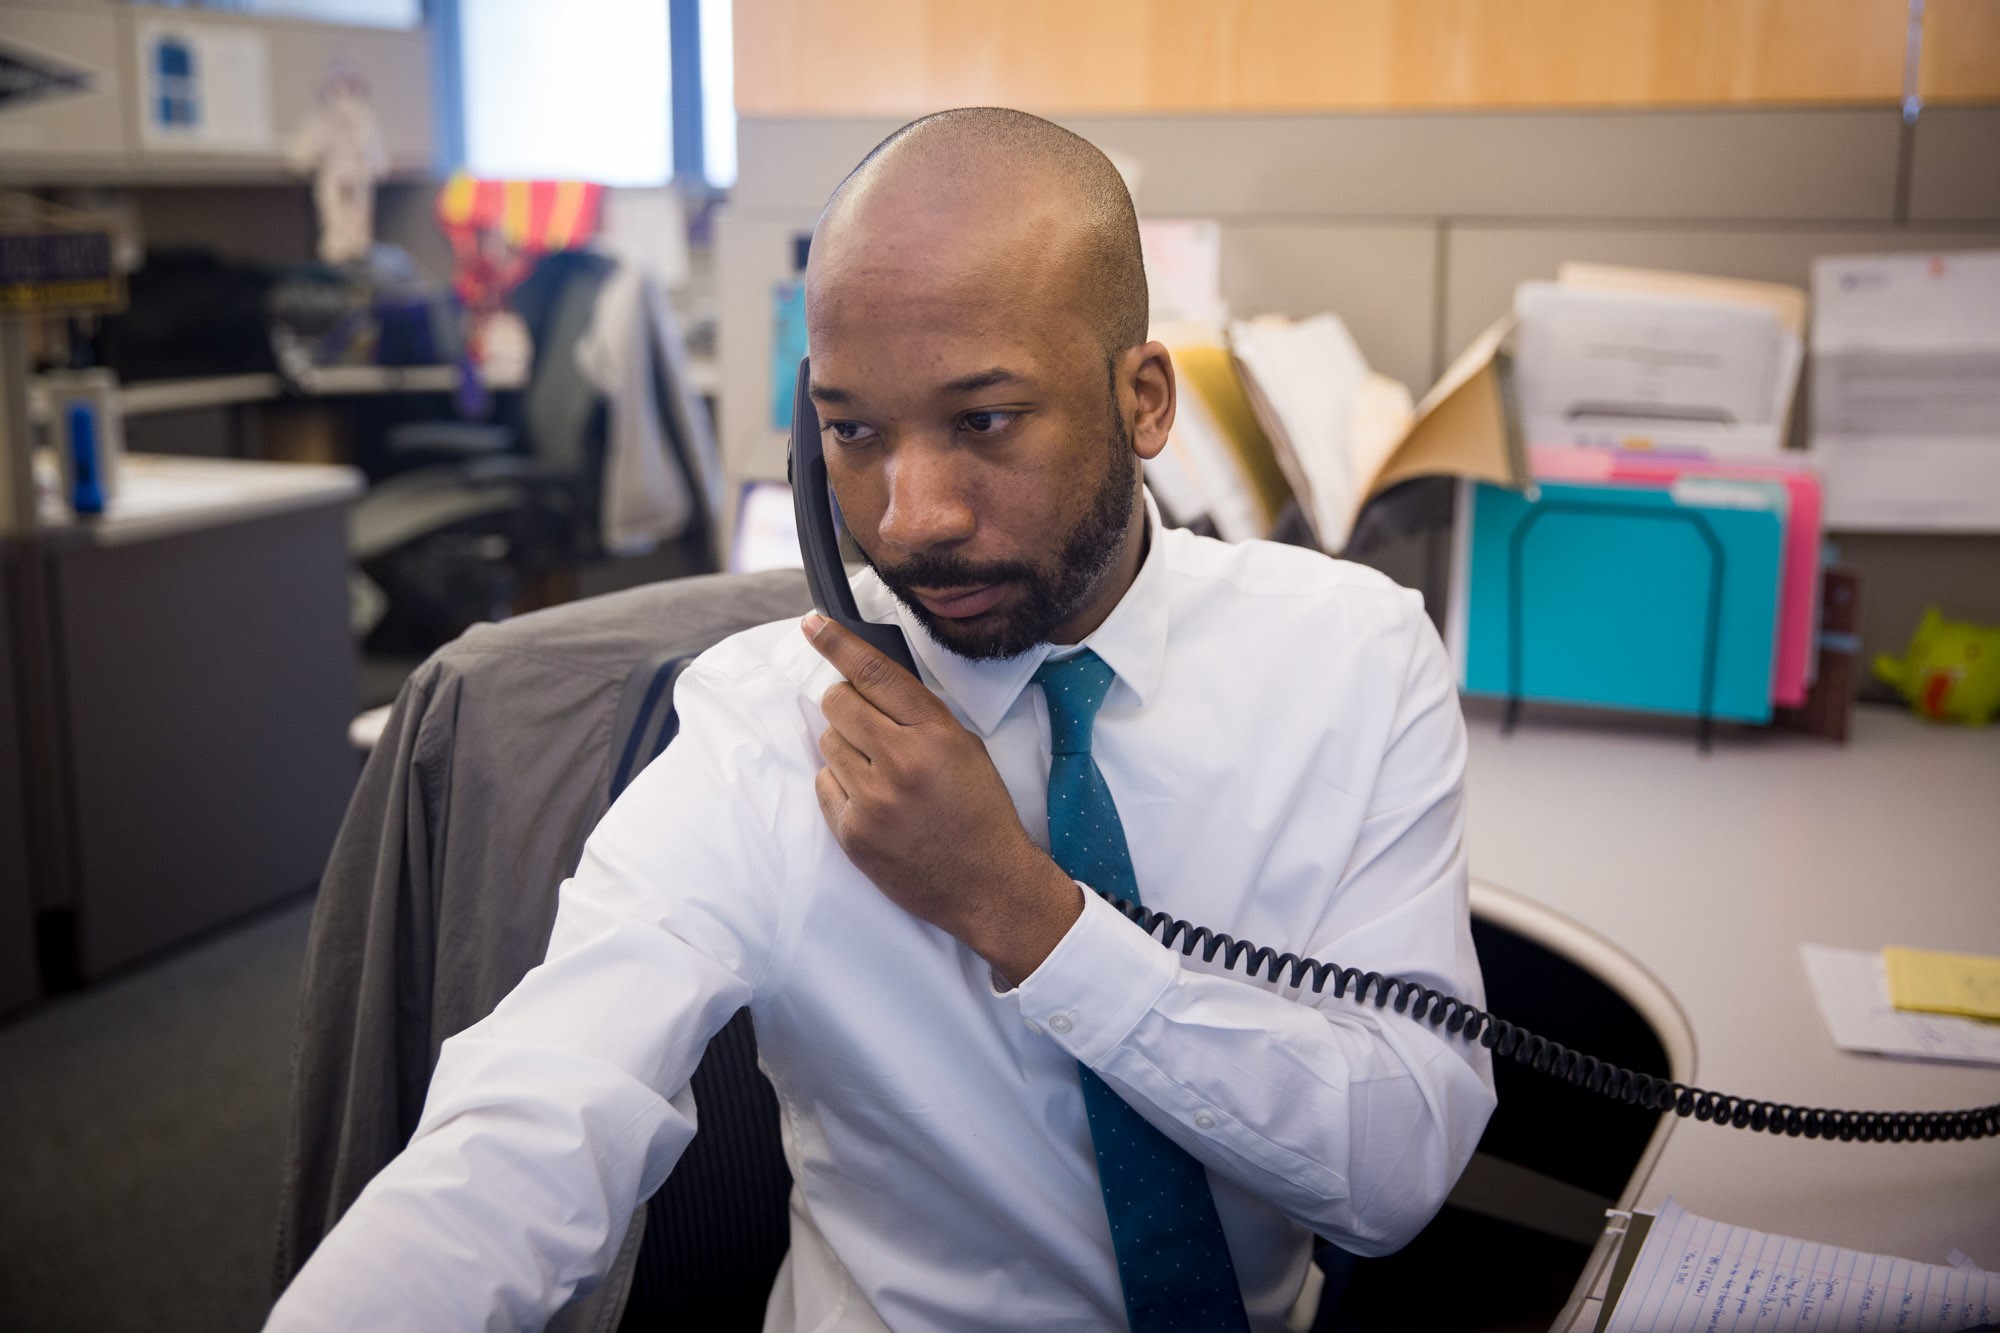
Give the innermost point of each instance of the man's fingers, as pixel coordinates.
(900, 696)
(859, 722)
(847, 762)
(832, 797)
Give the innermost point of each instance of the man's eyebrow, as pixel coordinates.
(964, 384)
(982, 379)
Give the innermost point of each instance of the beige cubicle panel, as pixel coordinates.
(78, 119)
(1380, 278)
(1822, 164)
(1955, 164)
(274, 68)
(298, 58)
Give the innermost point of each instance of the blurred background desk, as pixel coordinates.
(186, 677)
(1712, 871)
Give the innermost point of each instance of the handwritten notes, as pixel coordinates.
(1694, 1275)
(1944, 983)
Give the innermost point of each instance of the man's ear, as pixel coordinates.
(1146, 384)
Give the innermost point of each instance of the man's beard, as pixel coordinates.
(1049, 596)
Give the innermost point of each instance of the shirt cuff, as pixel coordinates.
(1097, 983)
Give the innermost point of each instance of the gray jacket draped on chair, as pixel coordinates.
(441, 889)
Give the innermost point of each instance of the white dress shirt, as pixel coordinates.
(1284, 744)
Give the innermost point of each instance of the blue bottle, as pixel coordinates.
(87, 493)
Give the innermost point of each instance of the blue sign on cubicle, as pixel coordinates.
(58, 272)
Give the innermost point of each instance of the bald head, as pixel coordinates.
(976, 182)
(976, 310)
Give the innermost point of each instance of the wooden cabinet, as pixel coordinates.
(895, 57)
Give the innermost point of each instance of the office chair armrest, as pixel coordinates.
(514, 470)
(446, 440)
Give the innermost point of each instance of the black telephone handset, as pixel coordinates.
(819, 540)
(826, 577)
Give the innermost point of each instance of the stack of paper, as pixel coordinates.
(1906, 389)
(1693, 1275)
(1288, 418)
(1852, 987)
(1332, 422)
(1626, 358)
(1218, 470)
(1674, 561)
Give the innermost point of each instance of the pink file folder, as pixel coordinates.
(1798, 600)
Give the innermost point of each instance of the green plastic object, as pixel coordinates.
(1951, 672)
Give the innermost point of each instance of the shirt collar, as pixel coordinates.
(1132, 640)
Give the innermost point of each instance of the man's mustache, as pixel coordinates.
(944, 571)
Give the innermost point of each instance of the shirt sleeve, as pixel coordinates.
(547, 1122)
(1354, 1121)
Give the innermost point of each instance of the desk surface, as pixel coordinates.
(160, 495)
(147, 397)
(1711, 870)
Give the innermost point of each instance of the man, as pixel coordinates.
(1004, 1105)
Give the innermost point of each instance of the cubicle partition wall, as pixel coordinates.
(18, 981)
(208, 680)
(1416, 227)
(178, 683)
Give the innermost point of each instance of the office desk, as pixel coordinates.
(189, 675)
(1711, 871)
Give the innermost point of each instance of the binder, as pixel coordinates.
(1659, 600)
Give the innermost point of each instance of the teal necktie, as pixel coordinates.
(1173, 1261)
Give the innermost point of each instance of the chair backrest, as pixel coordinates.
(562, 411)
(1521, 1221)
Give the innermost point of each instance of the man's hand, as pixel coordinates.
(915, 802)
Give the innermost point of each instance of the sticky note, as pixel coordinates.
(1943, 983)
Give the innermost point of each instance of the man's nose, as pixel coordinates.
(928, 505)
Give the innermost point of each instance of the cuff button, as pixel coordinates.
(1060, 1023)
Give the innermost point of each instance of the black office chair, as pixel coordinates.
(1516, 1232)
(469, 513)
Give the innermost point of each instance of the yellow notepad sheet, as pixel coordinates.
(1943, 983)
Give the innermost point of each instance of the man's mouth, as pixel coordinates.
(961, 603)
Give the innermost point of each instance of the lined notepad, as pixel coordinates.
(1693, 1274)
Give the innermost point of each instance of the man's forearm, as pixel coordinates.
(1354, 1122)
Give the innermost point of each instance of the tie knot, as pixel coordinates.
(1074, 687)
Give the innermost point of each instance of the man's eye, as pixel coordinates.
(850, 432)
(987, 423)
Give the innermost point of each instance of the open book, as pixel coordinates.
(1285, 417)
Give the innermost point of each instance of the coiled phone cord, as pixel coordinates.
(1507, 1041)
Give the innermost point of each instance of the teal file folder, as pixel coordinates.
(1625, 597)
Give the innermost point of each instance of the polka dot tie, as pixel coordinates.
(1173, 1262)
